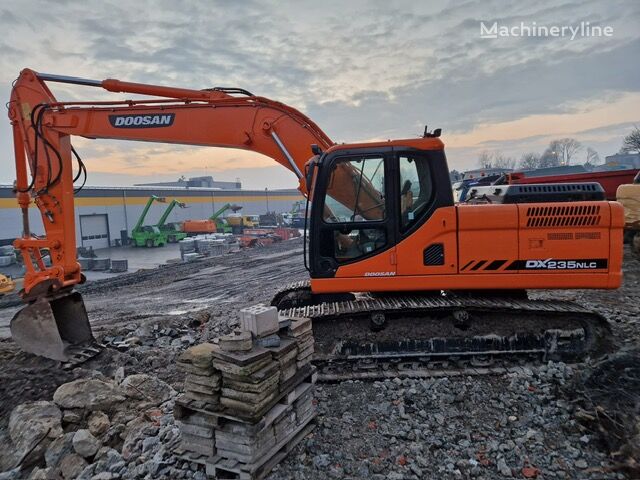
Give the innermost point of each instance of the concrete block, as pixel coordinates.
(260, 320)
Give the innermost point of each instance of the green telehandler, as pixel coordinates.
(148, 235)
(172, 231)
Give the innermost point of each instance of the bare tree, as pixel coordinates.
(565, 149)
(550, 157)
(530, 161)
(631, 142)
(485, 159)
(592, 157)
(500, 161)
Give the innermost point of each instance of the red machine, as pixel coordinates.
(610, 180)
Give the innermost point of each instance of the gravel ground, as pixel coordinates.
(518, 425)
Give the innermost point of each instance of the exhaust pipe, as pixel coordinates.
(54, 328)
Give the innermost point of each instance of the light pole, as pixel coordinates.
(266, 194)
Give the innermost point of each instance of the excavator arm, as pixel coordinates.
(55, 323)
(43, 127)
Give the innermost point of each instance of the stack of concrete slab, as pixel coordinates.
(119, 265)
(202, 383)
(286, 354)
(249, 381)
(250, 450)
(187, 246)
(201, 397)
(101, 264)
(190, 257)
(85, 263)
(210, 246)
(197, 429)
(249, 399)
(300, 330)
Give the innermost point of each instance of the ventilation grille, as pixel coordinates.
(559, 188)
(434, 254)
(559, 236)
(570, 236)
(561, 216)
(588, 236)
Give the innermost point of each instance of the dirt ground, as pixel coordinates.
(181, 304)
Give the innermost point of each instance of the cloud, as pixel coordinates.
(360, 69)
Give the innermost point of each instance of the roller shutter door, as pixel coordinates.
(94, 231)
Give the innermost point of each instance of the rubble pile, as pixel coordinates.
(98, 428)
(249, 399)
(608, 394)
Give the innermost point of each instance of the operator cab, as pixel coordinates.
(367, 199)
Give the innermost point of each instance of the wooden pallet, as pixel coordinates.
(221, 468)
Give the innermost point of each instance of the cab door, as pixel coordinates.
(353, 228)
(427, 219)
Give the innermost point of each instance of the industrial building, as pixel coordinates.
(106, 215)
(202, 182)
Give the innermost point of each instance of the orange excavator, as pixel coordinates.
(401, 279)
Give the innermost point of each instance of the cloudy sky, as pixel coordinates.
(363, 70)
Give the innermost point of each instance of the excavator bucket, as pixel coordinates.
(55, 328)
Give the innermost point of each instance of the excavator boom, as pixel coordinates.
(42, 130)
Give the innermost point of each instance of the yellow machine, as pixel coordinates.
(629, 197)
(238, 222)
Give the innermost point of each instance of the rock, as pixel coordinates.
(72, 465)
(118, 377)
(15, 474)
(40, 474)
(581, 464)
(503, 468)
(60, 447)
(321, 461)
(149, 442)
(31, 426)
(91, 394)
(73, 415)
(85, 444)
(105, 476)
(147, 387)
(98, 423)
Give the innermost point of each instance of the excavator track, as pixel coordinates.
(421, 335)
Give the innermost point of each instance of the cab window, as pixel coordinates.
(416, 189)
(356, 191)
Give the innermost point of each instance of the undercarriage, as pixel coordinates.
(368, 336)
